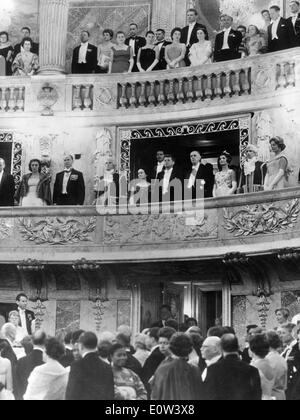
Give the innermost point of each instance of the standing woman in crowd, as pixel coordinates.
(148, 56)
(225, 179)
(140, 191)
(128, 386)
(122, 56)
(255, 42)
(175, 52)
(34, 190)
(6, 51)
(26, 62)
(277, 167)
(105, 51)
(201, 52)
(6, 381)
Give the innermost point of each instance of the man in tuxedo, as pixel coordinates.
(27, 364)
(230, 379)
(25, 33)
(165, 315)
(68, 357)
(212, 354)
(295, 21)
(7, 187)
(108, 186)
(85, 56)
(135, 42)
(161, 43)
(280, 32)
(170, 181)
(90, 378)
(291, 354)
(26, 317)
(189, 33)
(228, 41)
(69, 188)
(200, 172)
(160, 165)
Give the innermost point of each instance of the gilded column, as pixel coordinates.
(53, 21)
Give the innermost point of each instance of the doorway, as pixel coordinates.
(210, 309)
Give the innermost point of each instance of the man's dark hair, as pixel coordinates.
(153, 333)
(124, 339)
(26, 28)
(161, 30)
(134, 24)
(251, 327)
(229, 330)
(216, 332)
(168, 307)
(181, 345)
(68, 338)
(230, 343)
(170, 157)
(259, 345)
(89, 340)
(54, 349)
(274, 340)
(193, 10)
(166, 332)
(172, 323)
(87, 32)
(275, 7)
(39, 338)
(116, 347)
(76, 335)
(18, 298)
(242, 27)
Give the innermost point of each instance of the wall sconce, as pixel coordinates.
(84, 265)
(31, 265)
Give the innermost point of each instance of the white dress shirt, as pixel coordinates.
(1, 175)
(22, 314)
(288, 350)
(294, 18)
(225, 42)
(132, 45)
(82, 53)
(191, 27)
(67, 175)
(274, 28)
(160, 167)
(193, 175)
(166, 180)
(160, 45)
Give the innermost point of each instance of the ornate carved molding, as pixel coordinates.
(5, 229)
(31, 265)
(17, 155)
(262, 219)
(47, 97)
(57, 231)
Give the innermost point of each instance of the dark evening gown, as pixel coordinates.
(4, 52)
(121, 61)
(147, 58)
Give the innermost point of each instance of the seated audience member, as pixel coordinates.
(6, 380)
(148, 56)
(255, 42)
(242, 49)
(155, 358)
(279, 366)
(34, 189)
(282, 316)
(170, 181)
(122, 60)
(165, 315)
(84, 60)
(160, 166)
(108, 185)
(105, 51)
(245, 353)
(26, 63)
(90, 378)
(178, 380)
(259, 349)
(189, 33)
(75, 344)
(211, 353)
(140, 345)
(295, 21)
(198, 172)
(277, 168)
(69, 187)
(48, 382)
(230, 378)
(135, 42)
(280, 31)
(201, 52)
(141, 190)
(175, 53)
(128, 385)
(68, 357)
(291, 354)
(7, 186)
(161, 44)
(252, 176)
(27, 364)
(131, 362)
(6, 51)
(225, 179)
(228, 41)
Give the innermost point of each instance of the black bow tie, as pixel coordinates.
(66, 171)
(133, 37)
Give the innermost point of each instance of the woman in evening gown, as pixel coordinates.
(25, 63)
(175, 52)
(277, 167)
(6, 50)
(105, 51)
(148, 56)
(6, 381)
(255, 42)
(34, 190)
(140, 191)
(201, 52)
(225, 179)
(122, 56)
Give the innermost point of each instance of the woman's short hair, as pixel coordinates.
(228, 158)
(166, 332)
(120, 33)
(175, 30)
(110, 32)
(181, 345)
(274, 340)
(5, 33)
(13, 313)
(204, 30)
(150, 33)
(259, 345)
(35, 160)
(26, 39)
(54, 348)
(285, 312)
(116, 347)
(279, 141)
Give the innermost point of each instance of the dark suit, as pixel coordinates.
(139, 43)
(91, 61)
(206, 173)
(170, 195)
(235, 39)
(133, 364)
(230, 379)
(7, 190)
(151, 364)
(193, 39)
(75, 190)
(29, 315)
(162, 64)
(34, 49)
(296, 30)
(67, 359)
(293, 362)
(24, 368)
(285, 34)
(90, 380)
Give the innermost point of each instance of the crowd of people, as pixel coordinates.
(167, 362)
(188, 46)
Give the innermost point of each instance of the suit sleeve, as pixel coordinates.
(56, 190)
(81, 190)
(95, 58)
(11, 190)
(256, 386)
(74, 387)
(74, 61)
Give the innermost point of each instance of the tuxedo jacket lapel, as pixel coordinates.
(4, 176)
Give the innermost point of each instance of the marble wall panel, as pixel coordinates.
(67, 316)
(291, 300)
(239, 317)
(124, 309)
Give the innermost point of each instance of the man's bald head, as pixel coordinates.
(39, 338)
(211, 348)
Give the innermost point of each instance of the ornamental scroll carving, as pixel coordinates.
(57, 231)
(157, 228)
(5, 229)
(262, 219)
